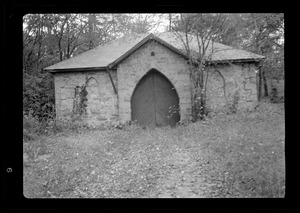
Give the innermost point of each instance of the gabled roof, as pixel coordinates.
(114, 52)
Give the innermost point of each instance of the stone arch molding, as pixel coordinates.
(92, 88)
(90, 80)
(167, 110)
(162, 73)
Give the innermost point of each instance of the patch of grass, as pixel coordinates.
(249, 150)
(241, 154)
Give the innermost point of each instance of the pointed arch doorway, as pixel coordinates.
(155, 101)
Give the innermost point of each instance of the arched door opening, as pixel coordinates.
(155, 101)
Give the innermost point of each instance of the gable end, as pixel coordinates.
(150, 37)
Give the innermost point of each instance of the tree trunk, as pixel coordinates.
(68, 41)
(91, 20)
(170, 21)
(60, 51)
(199, 102)
(202, 97)
(59, 47)
(259, 84)
(261, 76)
(196, 106)
(266, 94)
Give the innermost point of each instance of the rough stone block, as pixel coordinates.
(101, 118)
(104, 99)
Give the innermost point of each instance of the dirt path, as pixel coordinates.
(184, 178)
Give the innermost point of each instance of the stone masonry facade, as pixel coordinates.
(240, 87)
(102, 104)
(170, 64)
(101, 100)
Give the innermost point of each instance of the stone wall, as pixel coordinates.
(240, 87)
(104, 105)
(170, 64)
(101, 99)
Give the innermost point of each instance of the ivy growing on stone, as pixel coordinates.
(80, 98)
(80, 101)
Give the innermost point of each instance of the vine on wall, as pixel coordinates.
(80, 98)
(79, 101)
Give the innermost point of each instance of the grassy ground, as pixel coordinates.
(238, 155)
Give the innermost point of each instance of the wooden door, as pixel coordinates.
(155, 101)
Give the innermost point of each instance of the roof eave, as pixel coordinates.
(245, 60)
(82, 69)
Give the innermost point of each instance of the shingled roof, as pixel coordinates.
(113, 52)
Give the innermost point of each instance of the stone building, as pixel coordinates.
(147, 78)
